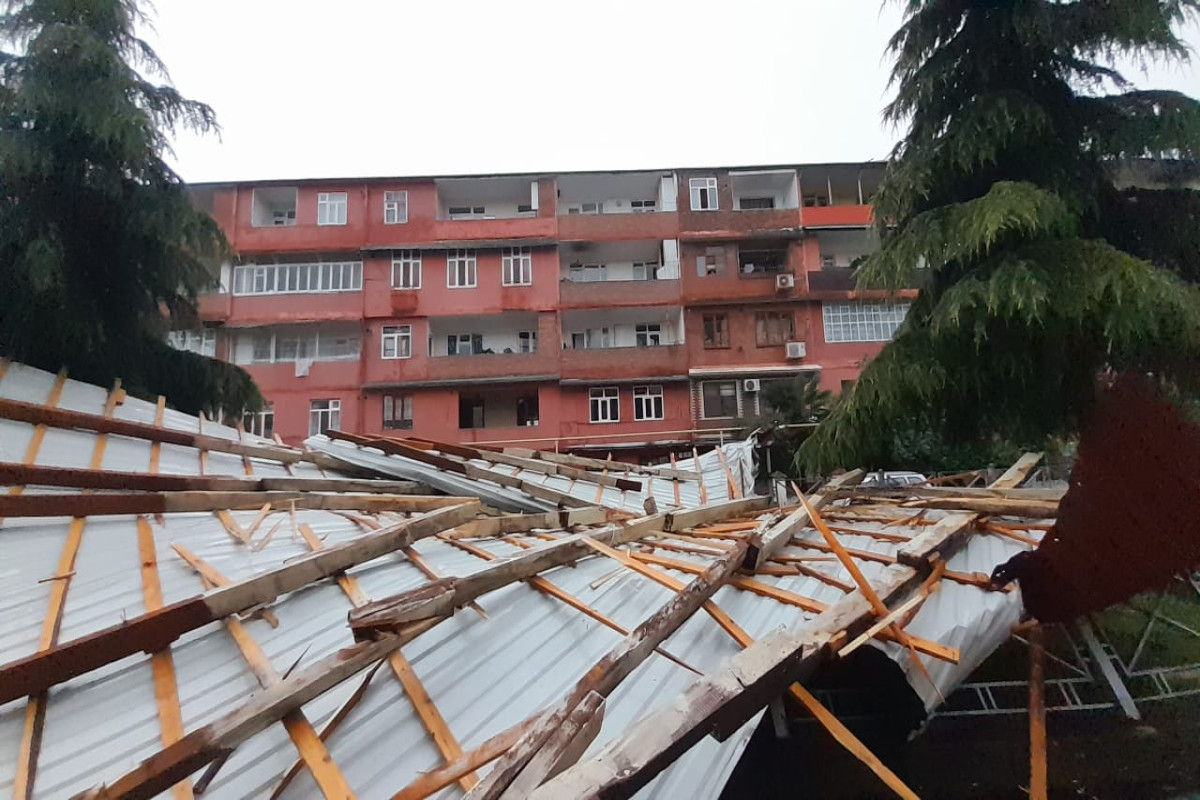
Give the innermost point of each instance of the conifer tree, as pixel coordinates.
(1001, 204)
(101, 248)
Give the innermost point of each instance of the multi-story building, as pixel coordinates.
(572, 310)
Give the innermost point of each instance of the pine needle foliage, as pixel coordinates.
(101, 249)
(1036, 273)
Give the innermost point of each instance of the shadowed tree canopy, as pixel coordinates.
(1037, 268)
(101, 249)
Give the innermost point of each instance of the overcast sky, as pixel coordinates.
(398, 87)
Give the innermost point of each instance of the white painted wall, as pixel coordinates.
(846, 246)
(668, 193)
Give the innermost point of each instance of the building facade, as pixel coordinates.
(615, 310)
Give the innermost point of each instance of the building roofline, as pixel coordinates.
(529, 174)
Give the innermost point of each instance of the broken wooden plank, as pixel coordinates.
(1037, 717)
(682, 520)
(1017, 474)
(440, 598)
(203, 745)
(12, 474)
(511, 777)
(155, 630)
(1035, 509)
(78, 505)
(771, 541)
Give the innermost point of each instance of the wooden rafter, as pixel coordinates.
(58, 505)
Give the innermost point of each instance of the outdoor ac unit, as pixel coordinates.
(750, 385)
(796, 350)
(785, 282)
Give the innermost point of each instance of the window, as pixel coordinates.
(704, 194)
(592, 339)
(459, 212)
(260, 423)
(712, 262)
(719, 399)
(324, 415)
(460, 269)
(397, 411)
(774, 327)
(527, 410)
(406, 269)
(527, 341)
(397, 341)
(643, 206)
(645, 270)
(648, 335)
(331, 208)
(586, 208)
(862, 322)
(269, 345)
(763, 262)
(395, 208)
(588, 273)
(828, 262)
(517, 263)
(203, 341)
(273, 207)
(313, 278)
(647, 402)
(470, 411)
(605, 404)
(525, 208)
(716, 331)
(464, 344)
(756, 203)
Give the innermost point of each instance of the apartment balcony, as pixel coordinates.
(471, 209)
(615, 363)
(491, 365)
(602, 294)
(214, 307)
(845, 216)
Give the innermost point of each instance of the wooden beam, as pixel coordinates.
(203, 745)
(941, 492)
(1037, 717)
(39, 430)
(682, 520)
(595, 463)
(1017, 474)
(512, 777)
(162, 665)
(434, 780)
(35, 709)
(60, 505)
(564, 470)
(768, 543)
(1036, 509)
(12, 474)
(724, 699)
(58, 418)
(851, 742)
(155, 630)
(489, 527)
(441, 598)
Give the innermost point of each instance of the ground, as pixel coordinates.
(1091, 755)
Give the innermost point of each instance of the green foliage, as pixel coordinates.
(1035, 273)
(100, 247)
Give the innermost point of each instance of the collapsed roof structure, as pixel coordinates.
(190, 609)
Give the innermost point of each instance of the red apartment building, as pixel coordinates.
(606, 310)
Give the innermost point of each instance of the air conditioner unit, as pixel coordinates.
(750, 385)
(796, 350)
(785, 282)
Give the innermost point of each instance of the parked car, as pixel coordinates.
(887, 480)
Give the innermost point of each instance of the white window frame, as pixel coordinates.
(390, 404)
(516, 266)
(311, 345)
(861, 321)
(527, 341)
(320, 277)
(703, 193)
(604, 405)
(459, 338)
(259, 421)
(395, 207)
(646, 270)
(202, 342)
(468, 261)
(324, 415)
(587, 273)
(648, 403)
(648, 334)
(704, 411)
(399, 339)
(406, 269)
(332, 208)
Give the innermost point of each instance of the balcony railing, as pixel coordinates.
(590, 294)
(492, 365)
(624, 362)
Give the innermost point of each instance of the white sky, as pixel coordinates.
(401, 87)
